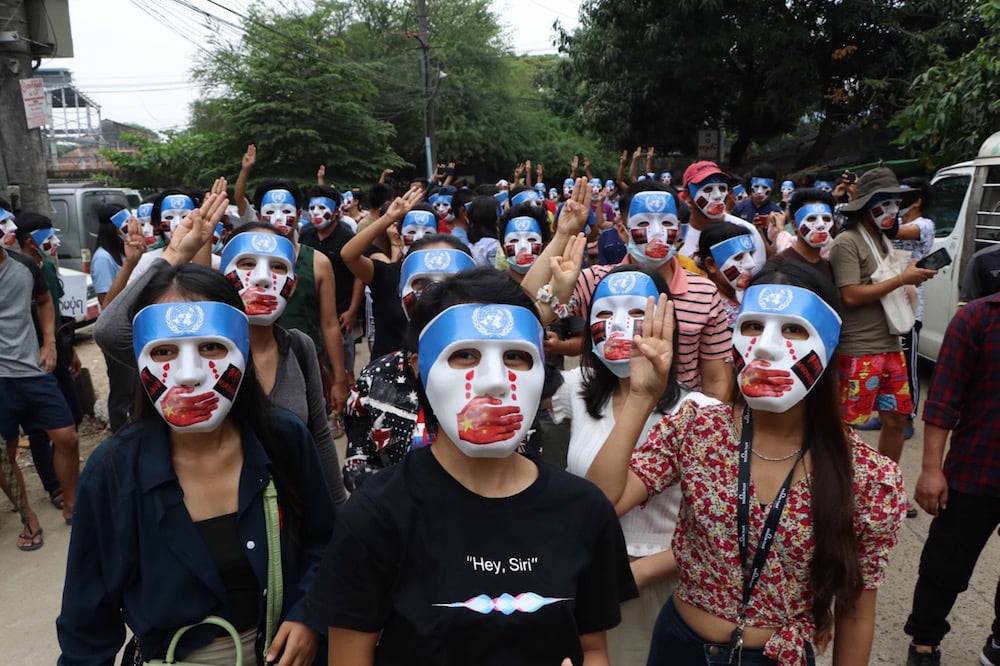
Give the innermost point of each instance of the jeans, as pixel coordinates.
(674, 642)
(955, 539)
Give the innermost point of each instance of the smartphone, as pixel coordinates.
(935, 260)
(850, 177)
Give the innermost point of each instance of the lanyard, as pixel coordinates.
(743, 514)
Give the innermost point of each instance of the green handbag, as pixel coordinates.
(275, 592)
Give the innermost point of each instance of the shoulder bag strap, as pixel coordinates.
(275, 592)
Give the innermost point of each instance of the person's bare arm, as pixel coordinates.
(450, 173)
(854, 295)
(382, 176)
(908, 231)
(321, 175)
(595, 649)
(716, 378)
(351, 648)
(586, 168)
(573, 166)
(932, 485)
(240, 189)
(854, 631)
(47, 322)
(654, 568)
(353, 253)
(571, 221)
(135, 247)
(621, 168)
(527, 173)
(649, 159)
(329, 324)
(631, 167)
(539, 171)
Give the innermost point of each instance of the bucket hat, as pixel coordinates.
(880, 180)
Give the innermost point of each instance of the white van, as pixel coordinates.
(75, 218)
(966, 214)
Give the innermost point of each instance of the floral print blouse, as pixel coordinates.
(699, 448)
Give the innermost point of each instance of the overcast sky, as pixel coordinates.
(137, 77)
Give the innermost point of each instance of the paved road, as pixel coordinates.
(31, 583)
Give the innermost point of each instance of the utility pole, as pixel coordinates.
(22, 159)
(428, 93)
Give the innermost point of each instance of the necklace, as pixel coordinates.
(781, 459)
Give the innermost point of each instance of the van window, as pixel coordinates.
(69, 244)
(949, 193)
(988, 213)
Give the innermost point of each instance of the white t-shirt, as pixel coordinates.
(648, 529)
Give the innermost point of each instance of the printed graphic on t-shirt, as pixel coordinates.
(525, 602)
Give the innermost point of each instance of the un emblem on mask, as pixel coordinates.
(493, 321)
(264, 243)
(178, 203)
(775, 298)
(277, 196)
(184, 318)
(656, 203)
(621, 283)
(522, 223)
(437, 261)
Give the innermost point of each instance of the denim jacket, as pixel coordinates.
(137, 559)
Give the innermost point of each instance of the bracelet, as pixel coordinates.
(561, 310)
(899, 276)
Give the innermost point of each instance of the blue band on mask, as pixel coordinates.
(252, 243)
(419, 218)
(523, 223)
(610, 184)
(652, 202)
(42, 235)
(730, 247)
(787, 185)
(789, 301)
(190, 319)
(823, 185)
(524, 196)
(324, 201)
(665, 174)
(144, 212)
(5, 214)
(477, 321)
(440, 199)
(346, 195)
(502, 196)
(738, 191)
(120, 218)
(176, 202)
(424, 262)
(625, 283)
(277, 197)
(811, 209)
(762, 182)
(540, 188)
(569, 182)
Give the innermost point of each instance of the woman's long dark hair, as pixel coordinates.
(599, 383)
(250, 406)
(107, 236)
(482, 214)
(835, 570)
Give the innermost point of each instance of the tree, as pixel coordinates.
(955, 104)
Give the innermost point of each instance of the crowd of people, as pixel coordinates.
(611, 423)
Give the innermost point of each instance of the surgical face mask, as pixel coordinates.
(262, 268)
(710, 198)
(416, 225)
(278, 207)
(761, 188)
(191, 357)
(783, 340)
(735, 261)
(7, 229)
(653, 228)
(173, 209)
(482, 368)
(323, 212)
(814, 222)
(616, 316)
(522, 242)
(884, 209)
(47, 241)
(423, 267)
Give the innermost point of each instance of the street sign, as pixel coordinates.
(708, 144)
(33, 94)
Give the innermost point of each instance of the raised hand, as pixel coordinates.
(637, 154)
(653, 351)
(575, 163)
(135, 243)
(576, 209)
(566, 269)
(195, 230)
(321, 174)
(586, 162)
(621, 160)
(402, 205)
(249, 157)
(538, 172)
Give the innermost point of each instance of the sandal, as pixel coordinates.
(30, 537)
(56, 497)
(911, 509)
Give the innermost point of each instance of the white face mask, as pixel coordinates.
(814, 222)
(761, 189)
(191, 358)
(710, 199)
(522, 243)
(884, 213)
(653, 228)
(416, 225)
(323, 212)
(7, 229)
(278, 207)
(484, 389)
(46, 241)
(173, 209)
(262, 267)
(783, 340)
(614, 321)
(739, 270)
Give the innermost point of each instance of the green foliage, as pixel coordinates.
(955, 105)
(183, 158)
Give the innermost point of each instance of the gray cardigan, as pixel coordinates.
(297, 386)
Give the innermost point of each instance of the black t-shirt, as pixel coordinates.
(387, 308)
(331, 247)
(451, 577)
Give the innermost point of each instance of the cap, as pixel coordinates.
(699, 171)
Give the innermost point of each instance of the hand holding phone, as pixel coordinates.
(936, 260)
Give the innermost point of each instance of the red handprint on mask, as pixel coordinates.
(486, 420)
(758, 380)
(657, 249)
(180, 408)
(618, 347)
(258, 301)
